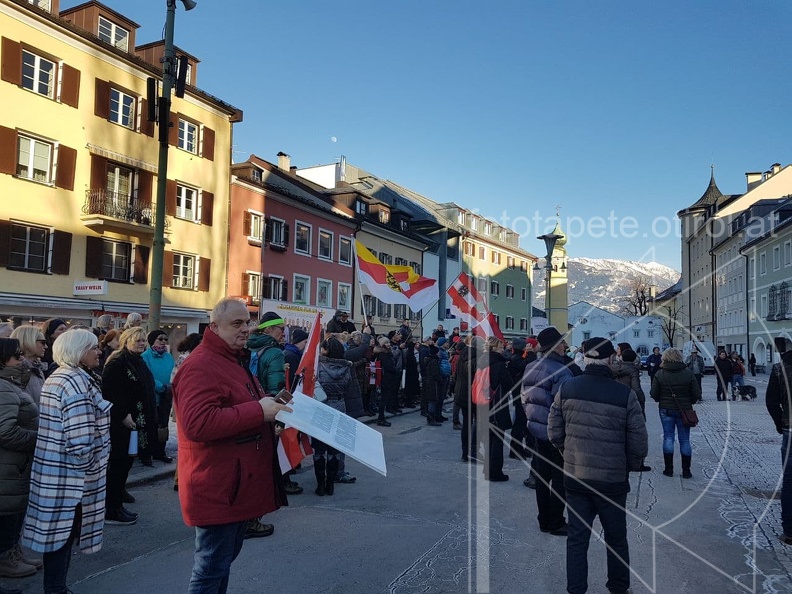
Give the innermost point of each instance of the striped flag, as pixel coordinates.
(470, 305)
(394, 283)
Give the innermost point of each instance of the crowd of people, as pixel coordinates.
(79, 405)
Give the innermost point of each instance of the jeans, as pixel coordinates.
(737, 380)
(56, 563)
(550, 492)
(216, 547)
(786, 483)
(672, 419)
(584, 506)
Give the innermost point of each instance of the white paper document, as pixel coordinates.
(338, 430)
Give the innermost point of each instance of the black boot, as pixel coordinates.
(319, 471)
(669, 464)
(516, 450)
(686, 467)
(332, 470)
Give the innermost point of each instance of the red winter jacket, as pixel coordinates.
(228, 469)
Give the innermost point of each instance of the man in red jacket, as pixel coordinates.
(228, 465)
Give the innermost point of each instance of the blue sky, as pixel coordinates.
(610, 109)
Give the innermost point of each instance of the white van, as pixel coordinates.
(706, 351)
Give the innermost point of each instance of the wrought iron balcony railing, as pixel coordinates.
(119, 206)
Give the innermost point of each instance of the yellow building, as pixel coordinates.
(78, 172)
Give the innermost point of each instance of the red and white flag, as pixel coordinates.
(293, 446)
(470, 305)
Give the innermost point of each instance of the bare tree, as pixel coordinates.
(671, 320)
(637, 301)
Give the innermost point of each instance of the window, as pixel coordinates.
(34, 159)
(253, 287)
(510, 261)
(386, 259)
(475, 224)
(509, 291)
(636, 334)
(344, 296)
(400, 312)
(369, 305)
(256, 229)
(487, 228)
(496, 257)
(361, 207)
(344, 250)
(383, 310)
(38, 74)
(416, 267)
(256, 175)
(495, 288)
(482, 253)
(113, 34)
(384, 215)
(523, 266)
(119, 184)
(183, 271)
(776, 258)
(274, 287)
(469, 249)
(116, 257)
(122, 108)
(302, 289)
(763, 312)
(302, 243)
(461, 217)
(788, 253)
(325, 244)
(481, 284)
(523, 324)
(762, 263)
(276, 232)
(587, 335)
(524, 294)
(188, 136)
(29, 248)
(509, 323)
(772, 300)
(650, 333)
(324, 293)
(187, 203)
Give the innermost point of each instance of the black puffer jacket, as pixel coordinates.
(675, 376)
(777, 398)
(432, 380)
(340, 384)
(501, 386)
(18, 432)
(629, 374)
(463, 378)
(598, 426)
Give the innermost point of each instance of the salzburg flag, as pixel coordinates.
(293, 446)
(470, 305)
(394, 283)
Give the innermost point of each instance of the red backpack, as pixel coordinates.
(481, 392)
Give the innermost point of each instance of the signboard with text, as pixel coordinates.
(93, 287)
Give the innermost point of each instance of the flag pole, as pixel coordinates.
(360, 285)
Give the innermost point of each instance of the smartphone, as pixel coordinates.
(283, 397)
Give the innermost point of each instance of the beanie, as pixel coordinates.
(441, 341)
(53, 325)
(152, 336)
(298, 336)
(269, 319)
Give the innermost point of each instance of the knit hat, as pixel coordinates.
(629, 355)
(441, 341)
(269, 319)
(53, 325)
(532, 342)
(518, 345)
(625, 346)
(152, 336)
(298, 335)
(548, 338)
(598, 348)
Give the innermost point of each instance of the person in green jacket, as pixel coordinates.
(265, 341)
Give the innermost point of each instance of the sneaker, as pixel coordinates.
(346, 478)
(255, 529)
(441, 418)
(29, 558)
(12, 566)
(560, 531)
(120, 517)
(383, 423)
(127, 497)
(292, 488)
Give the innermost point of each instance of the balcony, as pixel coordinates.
(112, 210)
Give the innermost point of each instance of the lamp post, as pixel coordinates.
(550, 241)
(163, 120)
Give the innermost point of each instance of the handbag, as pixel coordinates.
(689, 417)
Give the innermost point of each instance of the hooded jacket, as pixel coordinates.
(432, 379)
(463, 377)
(271, 370)
(500, 386)
(674, 376)
(540, 384)
(778, 394)
(338, 381)
(629, 374)
(18, 432)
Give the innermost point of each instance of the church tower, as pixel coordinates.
(557, 300)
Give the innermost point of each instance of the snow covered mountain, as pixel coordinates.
(605, 282)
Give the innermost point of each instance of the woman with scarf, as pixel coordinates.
(34, 347)
(160, 363)
(52, 328)
(18, 431)
(129, 385)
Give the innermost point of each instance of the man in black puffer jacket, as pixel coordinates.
(599, 428)
(779, 393)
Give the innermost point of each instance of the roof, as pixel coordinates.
(712, 196)
(538, 313)
(105, 8)
(670, 292)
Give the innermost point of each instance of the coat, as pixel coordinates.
(161, 366)
(36, 380)
(501, 388)
(777, 398)
(675, 377)
(18, 430)
(723, 369)
(629, 374)
(432, 380)
(271, 371)
(338, 380)
(463, 377)
(70, 462)
(540, 384)
(599, 428)
(228, 465)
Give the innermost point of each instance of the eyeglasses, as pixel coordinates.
(162, 338)
(41, 340)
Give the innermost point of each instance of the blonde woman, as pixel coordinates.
(34, 346)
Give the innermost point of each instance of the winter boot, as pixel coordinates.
(12, 566)
(28, 558)
(332, 470)
(669, 464)
(319, 471)
(686, 467)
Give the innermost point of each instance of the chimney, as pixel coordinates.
(775, 167)
(753, 179)
(284, 162)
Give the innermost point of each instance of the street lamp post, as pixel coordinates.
(163, 120)
(550, 241)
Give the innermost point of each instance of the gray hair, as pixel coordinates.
(671, 355)
(27, 336)
(591, 361)
(133, 318)
(356, 337)
(105, 321)
(222, 307)
(71, 346)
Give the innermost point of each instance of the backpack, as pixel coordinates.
(445, 367)
(255, 357)
(481, 392)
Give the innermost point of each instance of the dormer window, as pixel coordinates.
(361, 207)
(256, 175)
(43, 4)
(113, 34)
(384, 215)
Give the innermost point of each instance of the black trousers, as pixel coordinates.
(56, 563)
(117, 473)
(550, 492)
(163, 418)
(468, 433)
(494, 460)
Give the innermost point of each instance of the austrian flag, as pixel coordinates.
(394, 283)
(471, 306)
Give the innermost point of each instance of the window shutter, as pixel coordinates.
(167, 269)
(173, 131)
(67, 162)
(245, 288)
(5, 240)
(266, 288)
(145, 180)
(285, 235)
(204, 272)
(93, 256)
(140, 271)
(208, 143)
(146, 127)
(207, 208)
(267, 229)
(61, 252)
(246, 224)
(98, 173)
(102, 99)
(8, 150)
(284, 290)
(70, 92)
(170, 197)
(11, 68)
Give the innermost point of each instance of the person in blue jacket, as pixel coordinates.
(160, 362)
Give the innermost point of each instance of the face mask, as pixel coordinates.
(159, 348)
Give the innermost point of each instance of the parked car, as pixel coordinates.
(643, 361)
